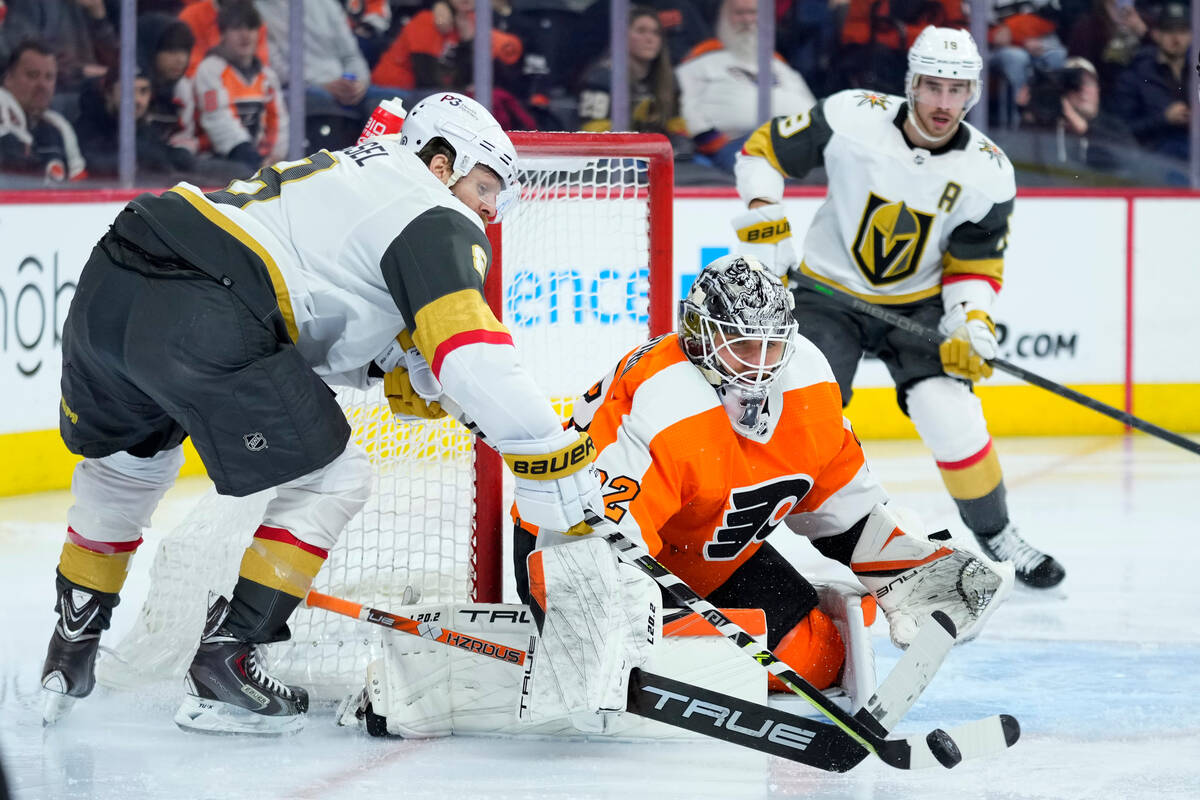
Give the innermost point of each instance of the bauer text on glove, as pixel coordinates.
(556, 483)
(765, 233)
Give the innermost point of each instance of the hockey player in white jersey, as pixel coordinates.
(916, 218)
(225, 316)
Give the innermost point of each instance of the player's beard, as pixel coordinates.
(742, 44)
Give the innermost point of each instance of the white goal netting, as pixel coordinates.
(576, 258)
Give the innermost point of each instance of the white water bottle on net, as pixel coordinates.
(581, 274)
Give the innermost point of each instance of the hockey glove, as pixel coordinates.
(411, 387)
(556, 483)
(912, 576)
(969, 344)
(766, 234)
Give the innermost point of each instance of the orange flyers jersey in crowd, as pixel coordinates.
(703, 497)
(201, 17)
(238, 106)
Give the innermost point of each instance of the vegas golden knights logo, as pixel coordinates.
(891, 238)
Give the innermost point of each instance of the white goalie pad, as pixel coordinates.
(426, 689)
(423, 689)
(600, 619)
(843, 602)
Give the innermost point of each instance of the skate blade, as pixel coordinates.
(55, 706)
(213, 717)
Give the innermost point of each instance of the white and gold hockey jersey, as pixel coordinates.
(359, 245)
(899, 221)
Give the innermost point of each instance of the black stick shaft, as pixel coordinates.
(932, 336)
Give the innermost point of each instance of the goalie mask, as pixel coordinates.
(736, 326)
(475, 136)
(942, 53)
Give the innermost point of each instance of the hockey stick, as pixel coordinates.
(932, 336)
(906, 753)
(426, 630)
(681, 705)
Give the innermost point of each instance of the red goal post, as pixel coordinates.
(656, 150)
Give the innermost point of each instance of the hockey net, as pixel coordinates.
(581, 273)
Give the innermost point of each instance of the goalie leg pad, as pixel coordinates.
(597, 619)
(912, 575)
(853, 614)
(422, 689)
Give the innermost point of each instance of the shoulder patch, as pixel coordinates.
(479, 260)
(849, 110)
(993, 152)
(873, 99)
(989, 168)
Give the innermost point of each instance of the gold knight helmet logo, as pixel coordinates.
(891, 238)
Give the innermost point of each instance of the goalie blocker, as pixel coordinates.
(421, 688)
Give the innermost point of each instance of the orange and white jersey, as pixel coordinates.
(237, 106)
(700, 495)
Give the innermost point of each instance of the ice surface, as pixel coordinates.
(1102, 675)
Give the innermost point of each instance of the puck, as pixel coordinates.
(943, 748)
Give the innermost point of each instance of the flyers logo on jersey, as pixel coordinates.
(753, 513)
(891, 238)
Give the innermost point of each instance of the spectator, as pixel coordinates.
(435, 51)
(876, 35)
(371, 20)
(1068, 131)
(201, 17)
(551, 57)
(683, 25)
(1023, 39)
(806, 36)
(1151, 95)
(653, 95)
(718, 85)
(35, 140)
(896, 23)
(1108, 36)
(241, 107)
(78, 33)
(98, 131)
(164, 47)
(338, 93)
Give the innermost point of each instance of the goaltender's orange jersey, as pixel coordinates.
(703, 497)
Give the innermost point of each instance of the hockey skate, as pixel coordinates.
(229, 689)
(70, 669)
(1033, 567)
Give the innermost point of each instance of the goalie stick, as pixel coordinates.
(991, 734)
(932, 336)
(710, 713)
(681, 705)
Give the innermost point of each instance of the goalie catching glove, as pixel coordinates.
(556, 483)
(597, 619)
(766, 234)
(970, 342)
(912, 576)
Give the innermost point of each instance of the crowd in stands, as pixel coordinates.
(1080, 91)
